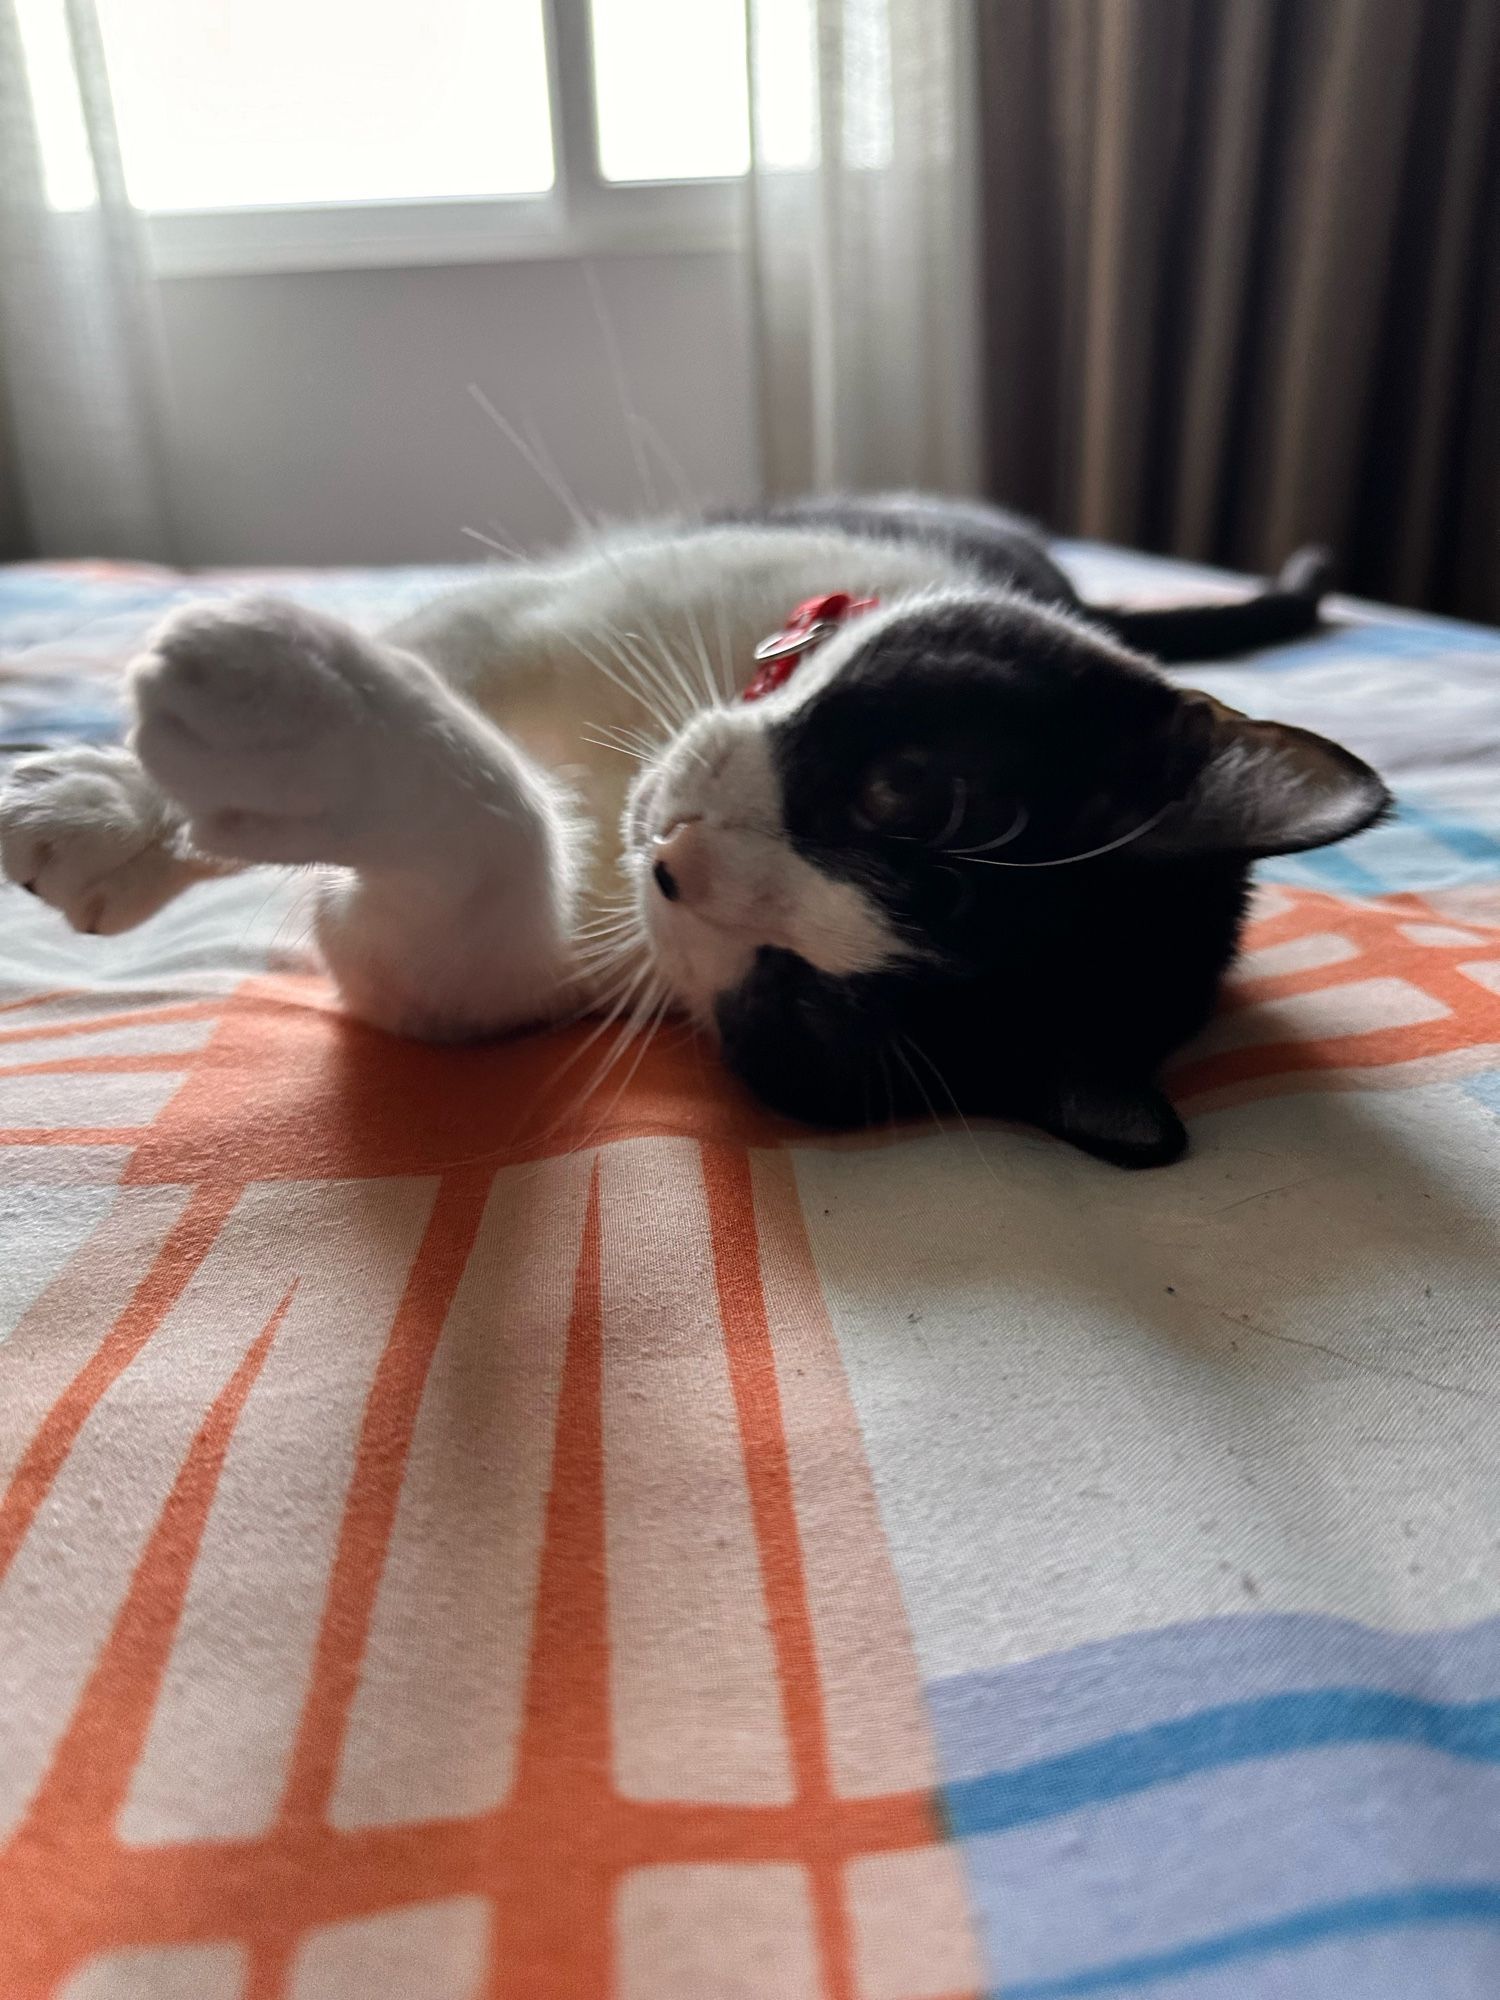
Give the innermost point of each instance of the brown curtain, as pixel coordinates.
(1243, 280)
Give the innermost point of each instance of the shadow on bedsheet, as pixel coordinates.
(1293, 1171)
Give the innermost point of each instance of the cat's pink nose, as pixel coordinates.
(680, 862)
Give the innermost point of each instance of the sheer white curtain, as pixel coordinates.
(80, 368)
(863, 243)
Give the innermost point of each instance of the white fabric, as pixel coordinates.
(79, 352)
(862, 260)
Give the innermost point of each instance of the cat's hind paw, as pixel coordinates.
(256, 716)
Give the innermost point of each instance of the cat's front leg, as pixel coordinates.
(287, 736)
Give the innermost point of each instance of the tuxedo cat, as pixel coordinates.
(861, 786)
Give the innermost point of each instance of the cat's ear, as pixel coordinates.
(1130, 1125)
(1264, 788)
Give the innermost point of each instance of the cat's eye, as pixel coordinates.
(898, 793)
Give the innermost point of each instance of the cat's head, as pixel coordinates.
(975, 855)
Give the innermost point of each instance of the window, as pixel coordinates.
(673, 97)
(673, 103)
(263, 103)
(307, 132)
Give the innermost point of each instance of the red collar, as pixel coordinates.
(809, 625)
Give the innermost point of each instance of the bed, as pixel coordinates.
(466, 1533)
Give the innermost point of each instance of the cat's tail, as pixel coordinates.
(1287, 609)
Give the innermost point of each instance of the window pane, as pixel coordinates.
(229, 103)
(670, 82)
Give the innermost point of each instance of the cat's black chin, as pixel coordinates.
(841, 1055)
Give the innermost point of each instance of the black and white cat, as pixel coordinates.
(947, 839)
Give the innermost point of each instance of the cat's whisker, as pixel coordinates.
(640, 1007)
(1013, 832)
(917, 1083)
(636, 427)
(938, 1123)
(664, 668)
(683, 747)
(608, 1007)
(675, 470)
(598, 947)
(674, 696)
(719, 684)
(260, 910)
(518, 549)
(552, 471)
(943, 1084)
(661, 719)
(545, 465)
(1065, 860)
(616, 364)
(540, 462)
(620, 749)
(660, 670)
(609, 914)
(642, 1032)
(619, 1003)
(599, 958)
(956, 817)
(506, 549)
(578, 1099)
(638, 738)
(711, 692)
(663, 662)
(726, 644)
(302, 911)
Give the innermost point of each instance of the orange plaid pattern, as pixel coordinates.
(715, 1751)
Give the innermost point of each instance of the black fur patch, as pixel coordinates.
(1009, 551)
(965, 740)
(1048, 993)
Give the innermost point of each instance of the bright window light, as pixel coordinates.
(669, 82)
(669, 77)
(251, 103)
(786, 62)
(62, 136)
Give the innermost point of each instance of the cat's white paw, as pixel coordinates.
(87, 831)
(268, 722)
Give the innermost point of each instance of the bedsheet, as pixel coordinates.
(466, 1534)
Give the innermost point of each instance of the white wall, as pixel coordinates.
(323, 417)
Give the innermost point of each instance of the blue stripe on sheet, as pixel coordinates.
(1034, 1711)
(1387, 639)
(1415, 850)
(1470, 843)
(1210, 1781)
(1427, 1903)
(1275, 1726)
(1227, 1848)
(1327, 868)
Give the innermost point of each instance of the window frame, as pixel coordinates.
(581, 215)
